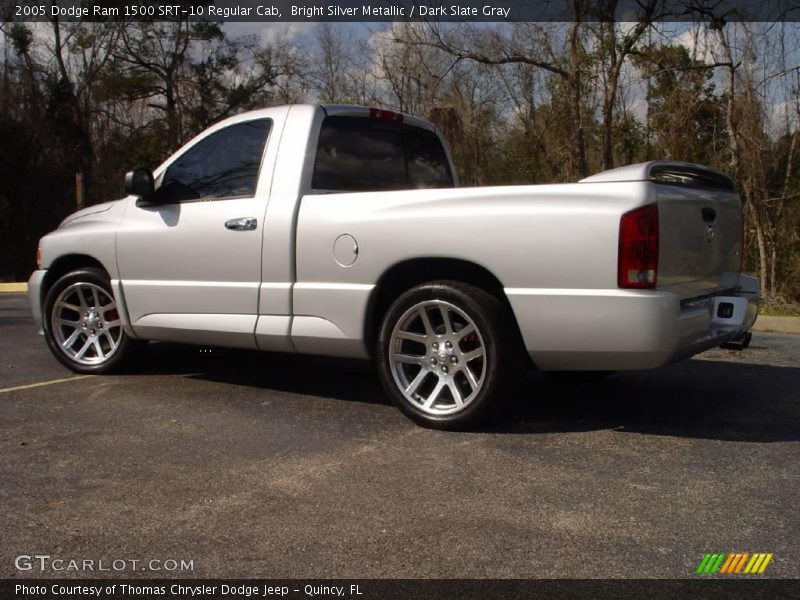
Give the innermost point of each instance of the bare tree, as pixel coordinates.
(614, 44)
(536, 45)
(331, 66)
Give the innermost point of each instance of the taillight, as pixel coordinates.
(39, 256)
(638, 248)
(385, 115)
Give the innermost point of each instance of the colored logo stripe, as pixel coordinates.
(703, 563)
(711, 563)
(758, 563)
(727, 564)
(734, 563)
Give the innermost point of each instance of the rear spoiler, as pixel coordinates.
(670, 173)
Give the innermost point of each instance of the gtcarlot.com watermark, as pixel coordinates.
(44, 563)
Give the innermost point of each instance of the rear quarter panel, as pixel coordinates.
(550, 237)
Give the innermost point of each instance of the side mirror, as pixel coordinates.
(139, 182)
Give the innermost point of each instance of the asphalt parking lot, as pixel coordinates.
(260, 465)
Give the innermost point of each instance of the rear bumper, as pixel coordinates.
(35, 296)
(625, 329)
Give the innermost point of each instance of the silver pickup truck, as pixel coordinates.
(340, 230)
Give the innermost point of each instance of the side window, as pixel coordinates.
(223, 165)
(357, 154)
(360, 154)
(427, 162)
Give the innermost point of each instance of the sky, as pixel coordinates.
(690, 35)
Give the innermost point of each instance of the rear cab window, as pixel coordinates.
(359, 154)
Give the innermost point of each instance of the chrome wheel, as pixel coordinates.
(86, 324)
(437, 357)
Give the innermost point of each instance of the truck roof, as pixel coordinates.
(331, 110)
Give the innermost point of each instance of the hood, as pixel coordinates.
(89, 210)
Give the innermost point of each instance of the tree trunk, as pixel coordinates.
(761, 244)
(85, 147)
(608, 126)
(573, 83)
(173, 133)
(609, 40)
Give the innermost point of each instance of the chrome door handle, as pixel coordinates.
(242, 224)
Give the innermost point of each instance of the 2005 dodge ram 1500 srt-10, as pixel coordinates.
(339, 230)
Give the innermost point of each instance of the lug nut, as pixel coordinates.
(444, 368)
(454, 360)
(435, 345)
(448, 345)
(433, 361)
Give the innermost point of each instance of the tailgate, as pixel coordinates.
(700, 229)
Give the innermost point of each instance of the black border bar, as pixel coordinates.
(702, 587)
(719, 11)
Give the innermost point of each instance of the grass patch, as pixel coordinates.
(781, 310)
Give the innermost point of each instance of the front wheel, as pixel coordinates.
(82, 323)
(444, 352)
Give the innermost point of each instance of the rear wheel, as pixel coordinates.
(82, 323)
(444, 354)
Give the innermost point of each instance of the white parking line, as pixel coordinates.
(42, 383)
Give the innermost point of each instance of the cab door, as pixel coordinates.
(189, 256)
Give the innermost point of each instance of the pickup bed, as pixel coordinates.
(340, 230)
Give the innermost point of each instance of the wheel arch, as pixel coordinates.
(109, 345)
(406, 274)
(63, 265)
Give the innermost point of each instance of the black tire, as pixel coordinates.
(494, 370)
(57, 335)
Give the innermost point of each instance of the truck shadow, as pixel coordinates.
(694, 399)
(321, 376)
